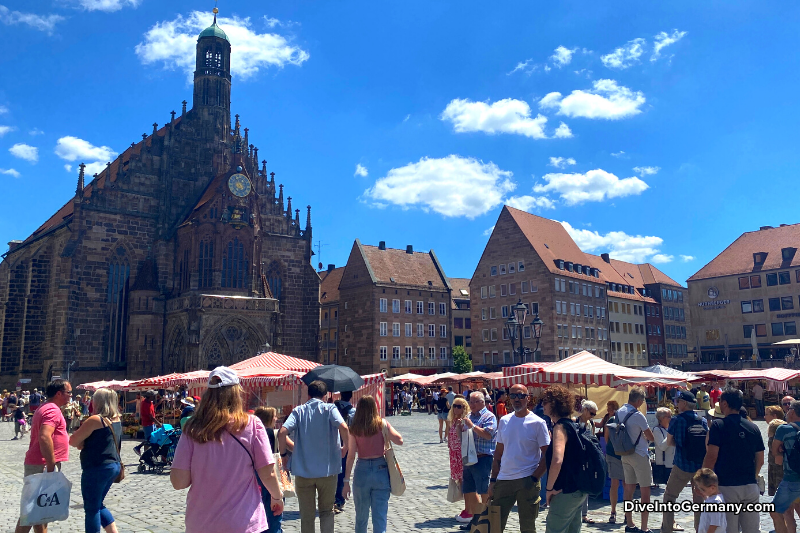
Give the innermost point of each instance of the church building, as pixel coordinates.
(182, 254)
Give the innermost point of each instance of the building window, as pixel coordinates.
(431, 308)
(383, 353)
(787, 302)
(777, 329)
(443, 331)
(408, 307)
(492, 293)
(524, 286)
(520, 266)
(234, 265)
(512, 289)
(789, 328)
(505, 334)
(420, 308)
(409, 329)
(502, 269)
(205, 264)
(118, 275)
(504, 311)
(458, 323)
(420, 330)
(458, 340)
(526, 332)
(774, 304)
(420, 352)
(483, 313)
(395, 352)
(443, 352)
(511, 268)
(494, 334)
(468, 342)
(494, 271)
(442, 309)
(395, 329)
(772, 279)
(467, 323)
(384, 329)
(384, 305)
(395, 306)
(485, 335)
(409, 352)
(431, 330)
(492, 314)
(783, 278)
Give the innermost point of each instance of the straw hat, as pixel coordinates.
(716, 412)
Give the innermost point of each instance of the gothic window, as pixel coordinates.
(214, 357)
(184, 272)
(274, 280)
(234, 265)
(118, 274)
(205, 264)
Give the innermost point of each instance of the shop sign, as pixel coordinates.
(787, 315)
(719, 304)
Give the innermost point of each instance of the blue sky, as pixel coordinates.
(659, 132)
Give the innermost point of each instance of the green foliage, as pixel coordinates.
(461, 361)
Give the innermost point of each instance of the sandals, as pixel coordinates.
(587, 520)
(613, 518)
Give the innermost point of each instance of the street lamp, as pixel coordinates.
(536, 325)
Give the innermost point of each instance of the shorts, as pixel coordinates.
(788, 492)
(38, 469)
(615, 470)
(637, 469)
(442, 416)
(476, 477)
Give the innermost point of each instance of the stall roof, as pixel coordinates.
(276, 360)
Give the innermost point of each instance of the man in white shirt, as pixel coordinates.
(636, 466)
(758, 396)
(522, 440)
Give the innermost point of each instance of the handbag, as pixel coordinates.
(454, 493)
(468, 450)
(284, 478)
(396, 480)
(121, 475)
(488, 521)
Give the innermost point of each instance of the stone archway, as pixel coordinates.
(177, 359)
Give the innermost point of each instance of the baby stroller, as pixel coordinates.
(159, 454)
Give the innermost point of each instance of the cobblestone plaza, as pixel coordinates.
(147, 502)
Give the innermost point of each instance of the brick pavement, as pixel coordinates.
(146, 502)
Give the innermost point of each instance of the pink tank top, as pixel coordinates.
(371, 446)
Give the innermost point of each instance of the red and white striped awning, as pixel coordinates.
(772, 374)
(585, 368)
(525, 368)
(276, 361)
(112, 384)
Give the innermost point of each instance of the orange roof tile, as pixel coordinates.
(394, 266)
(329, 285)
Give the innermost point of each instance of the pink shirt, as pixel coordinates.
(224, 496)
(48, 414)
(371, 446)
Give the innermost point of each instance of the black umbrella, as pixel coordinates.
(337, 378)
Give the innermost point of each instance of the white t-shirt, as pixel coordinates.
(713, 519)
(758, 392)
(636, 425)
(522, 439)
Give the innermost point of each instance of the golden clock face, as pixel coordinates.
(239, 185)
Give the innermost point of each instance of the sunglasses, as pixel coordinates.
(517, 396)
(458, 407)
(593, 414)
(786, 403)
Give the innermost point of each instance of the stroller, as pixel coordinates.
(159, 454)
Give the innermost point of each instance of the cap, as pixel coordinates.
(687, 396)
(226, 376)
(196, 399)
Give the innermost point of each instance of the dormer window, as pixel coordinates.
(570, 266)
(560, 264)
(579, 269)
(788, 253)
(759, 258)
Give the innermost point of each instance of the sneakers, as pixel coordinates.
(337, 509)
(463, 517)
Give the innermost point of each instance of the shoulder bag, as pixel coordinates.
(396, 480)
(121, 475)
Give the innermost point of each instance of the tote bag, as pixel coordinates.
(454, 493)
(398, 483)
(45, 499)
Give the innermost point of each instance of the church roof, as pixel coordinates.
(213, 31)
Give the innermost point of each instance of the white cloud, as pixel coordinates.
(45, 23)
(3, 110)
(562, 132)
(646, 171)
(527, 203)
(561, 162)
(663, 39)
(527, 66)
(488, 232)
(687, 258)
(562, 56)
(172, 42)
(271, 22)
(6, 129)
(407, 117)
(25, 151)
(452, 186)
(10, 172)
(94, 168)
(35, 132)
(503, 116)
(625, 56)
(68, 167)
(593, 186)
(72, 149)
(109, 6)
(361, 171)
(606, 100)
(662, 258)
(620, 245)
(619, 155)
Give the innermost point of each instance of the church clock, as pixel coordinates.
(239, 185)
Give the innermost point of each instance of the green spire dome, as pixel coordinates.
(214, 30)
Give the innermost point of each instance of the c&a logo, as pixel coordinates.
(46, 501)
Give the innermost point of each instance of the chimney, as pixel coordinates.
(765, 227)
(382, 245)
(606, 258)
(783, 225)
(410, 249)
(331, 266)
(13, 244)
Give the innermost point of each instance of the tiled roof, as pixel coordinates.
(458, 285)
(397, 267)
(738, 257)
(329, 285)
(651, 274)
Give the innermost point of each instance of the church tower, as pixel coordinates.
(212, 77)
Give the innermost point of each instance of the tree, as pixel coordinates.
(461, 361)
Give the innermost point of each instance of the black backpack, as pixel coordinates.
(591, 470)
(794, 454)
(694, 441)
(344, 409)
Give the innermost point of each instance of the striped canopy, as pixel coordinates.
(113, 385)
(772, 374)
(585, 368)
(525, 368)
(276, 361)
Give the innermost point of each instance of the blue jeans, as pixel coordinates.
(274, 522)
(371, 490)
(95, 483)
(340, 484)
(760, 407)
(543, 493)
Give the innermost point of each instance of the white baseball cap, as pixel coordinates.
(226, 376)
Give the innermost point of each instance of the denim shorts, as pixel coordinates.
(476, 477)
(788, 492)
(442, 415)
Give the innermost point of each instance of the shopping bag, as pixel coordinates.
(488, 521)
(284, 478)
(468, 450)
(45, 499)
(396, 480)
(454, 493)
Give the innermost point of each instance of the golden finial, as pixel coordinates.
(215, 11)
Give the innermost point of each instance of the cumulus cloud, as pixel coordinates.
(527, 67)
(687, 258)
(618, 244)
(5, 129)
(662, 258)
(606, 100)
(664, 39)
(109, 6)
(10, 172)
(625, 56)
(593, 186)
(503, 116)
(561, 162)
(361, 171)
(94, 168)
(488, 232)
(68, 167)
(453, 186)
(25, 151)
(528, 203)
(562, 132)
(172, 43)
(72, 149)
(646, 171)
(271, 22)
(45, 23)
(562, 56)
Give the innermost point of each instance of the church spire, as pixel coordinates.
(212, 75)
(79, 189)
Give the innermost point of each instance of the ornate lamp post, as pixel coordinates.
(512, 327)
(536, 325)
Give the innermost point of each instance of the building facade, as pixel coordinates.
(462, 319)
(329, 314)
(394, 311)
(181, 254)
(748, 295)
